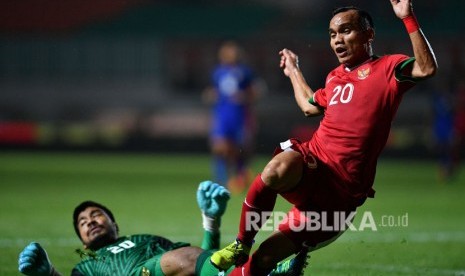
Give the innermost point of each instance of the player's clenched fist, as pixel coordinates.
(33, 261)
(212, 198)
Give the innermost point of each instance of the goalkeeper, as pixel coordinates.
(108, 254)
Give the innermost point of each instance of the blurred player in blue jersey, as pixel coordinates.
(443, 130)
(232, 93)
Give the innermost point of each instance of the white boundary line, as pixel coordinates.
(394, 269)
(415, 237)
(356, 237)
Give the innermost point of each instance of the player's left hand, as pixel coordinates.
(402, 8)
(212, 198)
(34, 261)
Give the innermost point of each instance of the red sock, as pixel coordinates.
(260, 198)
(238, 271)
(248, 270)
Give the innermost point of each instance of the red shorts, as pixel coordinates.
(317, 192)
(314, 229)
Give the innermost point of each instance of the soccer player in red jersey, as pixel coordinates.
(333, 172)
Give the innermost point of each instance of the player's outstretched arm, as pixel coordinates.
(425, 64)
(34, 261)
(212, 199)
(302, 91)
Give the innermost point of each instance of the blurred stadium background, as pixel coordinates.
(128, 75)
(125, 77)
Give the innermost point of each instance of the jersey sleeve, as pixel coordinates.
(319, 98)
(395, 72)
(400, 76)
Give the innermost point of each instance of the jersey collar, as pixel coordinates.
(350, 69)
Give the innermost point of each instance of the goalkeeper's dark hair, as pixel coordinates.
(365, 19)
(84, 205)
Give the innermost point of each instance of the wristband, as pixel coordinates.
(411, 23)
(312, 100)
(211, 224)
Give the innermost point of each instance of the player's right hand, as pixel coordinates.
(289, 61)
(34, 261)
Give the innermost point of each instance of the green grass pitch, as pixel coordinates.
(155, 194)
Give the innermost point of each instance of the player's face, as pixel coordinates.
(96, 228)
(228, 54)
(349, 41)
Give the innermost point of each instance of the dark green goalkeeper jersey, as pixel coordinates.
(130, 255)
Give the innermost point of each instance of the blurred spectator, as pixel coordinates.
(232, 93)
(443, 131)
(459, 121)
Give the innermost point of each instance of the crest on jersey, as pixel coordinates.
(145, 272)
(363, 73)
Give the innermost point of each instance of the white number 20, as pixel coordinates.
(342, 94)
(120, 247)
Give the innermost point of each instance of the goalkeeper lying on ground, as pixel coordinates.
(108, 254)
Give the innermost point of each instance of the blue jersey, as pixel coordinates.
(231, 111)
(443, 118)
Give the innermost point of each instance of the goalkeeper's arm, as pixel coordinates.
(34, 261)
(212, 199)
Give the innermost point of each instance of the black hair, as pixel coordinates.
(365, 19)
(84, 205)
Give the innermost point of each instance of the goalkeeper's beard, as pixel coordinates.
(100, 241)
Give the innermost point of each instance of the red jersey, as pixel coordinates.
(359, 105)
